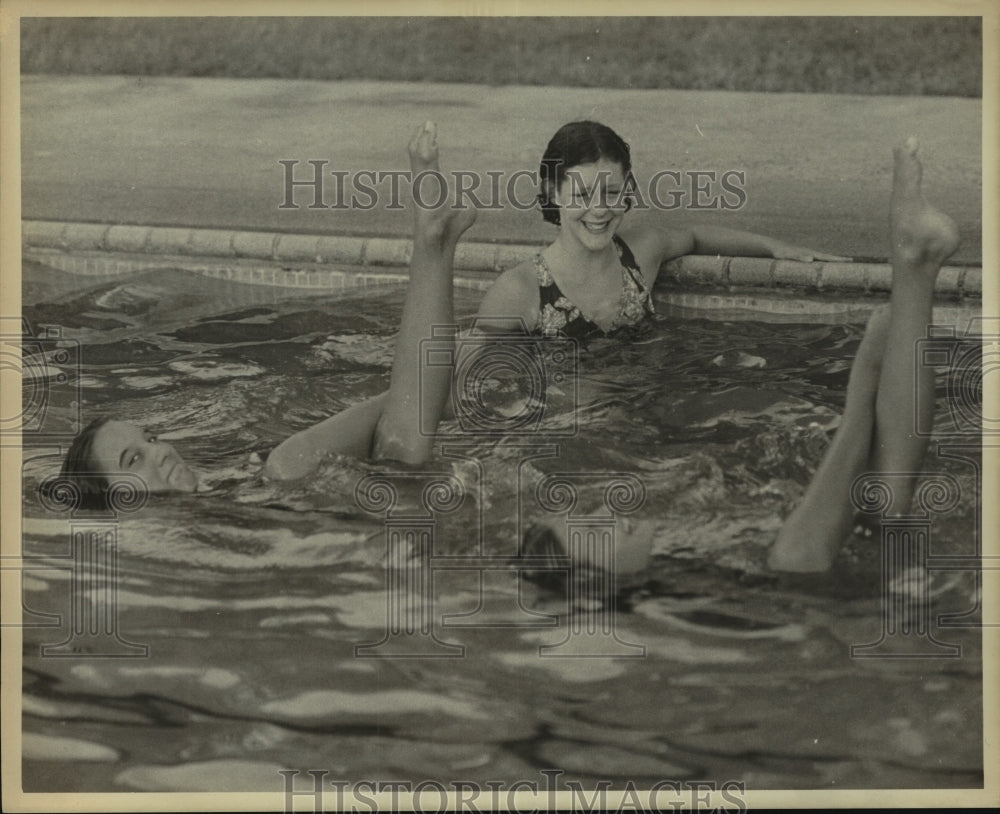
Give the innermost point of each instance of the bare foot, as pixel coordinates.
(445, 222)
(922, 237)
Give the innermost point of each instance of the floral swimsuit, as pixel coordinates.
(560, 317)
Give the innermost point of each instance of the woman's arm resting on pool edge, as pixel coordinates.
(349, 432)
(657, 245)
(737, 243)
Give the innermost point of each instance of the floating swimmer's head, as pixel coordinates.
(585, 161)
(106, 447)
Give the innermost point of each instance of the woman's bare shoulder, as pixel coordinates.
(524, 274)
(515, 284)
(513, 294)
(657, 241)
(652, 246)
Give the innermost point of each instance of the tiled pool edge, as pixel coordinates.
(331, 262)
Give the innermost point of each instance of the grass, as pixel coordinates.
(866, 55)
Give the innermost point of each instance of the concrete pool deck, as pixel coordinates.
(186, 168)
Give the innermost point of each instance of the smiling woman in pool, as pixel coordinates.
(598, 274)
(386, 426)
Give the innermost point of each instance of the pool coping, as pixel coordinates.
(316, 261)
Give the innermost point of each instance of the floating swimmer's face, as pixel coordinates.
(122, 447)
(593, 200)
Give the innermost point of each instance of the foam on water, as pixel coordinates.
(55, 749)
(205, 776)
(335, 705)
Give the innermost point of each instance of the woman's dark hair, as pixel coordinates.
(544, 560)
(80, 468)
(573, 144)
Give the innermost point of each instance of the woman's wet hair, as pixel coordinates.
(540, 547)
(80, 468)
(576, 143)
(543, 560)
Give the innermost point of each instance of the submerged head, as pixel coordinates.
(585, 176)
(106, 447)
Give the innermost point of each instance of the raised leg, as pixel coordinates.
(877, 433)
(922, 239)
(418, 392)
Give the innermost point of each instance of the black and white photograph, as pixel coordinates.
(477, 406)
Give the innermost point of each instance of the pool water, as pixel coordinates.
(252, 597)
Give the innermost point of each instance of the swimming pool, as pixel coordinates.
(239, 610)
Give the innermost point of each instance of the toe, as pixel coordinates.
(423, 145)
(427, 142)
(908, 170)
(908, 149)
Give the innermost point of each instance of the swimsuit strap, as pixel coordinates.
(625, 254)
(629, 263)
(542, 271)
(630, 266)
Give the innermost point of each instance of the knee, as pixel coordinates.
(406, 448)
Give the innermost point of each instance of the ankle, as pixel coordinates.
(430, 237)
